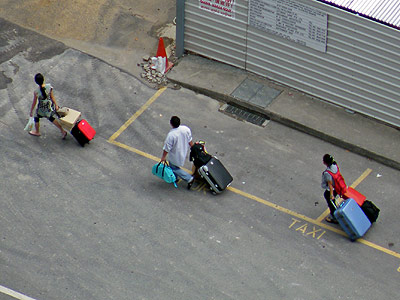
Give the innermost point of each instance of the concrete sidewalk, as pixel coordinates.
(290, 107)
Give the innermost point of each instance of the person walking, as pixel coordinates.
(176, 146)
(46, 106)
(333, 184)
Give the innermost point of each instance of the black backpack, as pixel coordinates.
(199, 155)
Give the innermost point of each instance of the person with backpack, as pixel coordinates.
(46, 106)
(333, 183)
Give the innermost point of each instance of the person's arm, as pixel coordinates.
(53, 99)
(164, 156)
(33, 104)
(331, 190)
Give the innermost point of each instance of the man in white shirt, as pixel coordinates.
(176, 146)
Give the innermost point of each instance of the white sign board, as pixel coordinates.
(291, 20)
(225, 8)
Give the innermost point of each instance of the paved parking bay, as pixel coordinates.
(94, 223)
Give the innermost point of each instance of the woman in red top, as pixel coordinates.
(333, 183)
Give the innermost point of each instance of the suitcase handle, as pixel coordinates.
(334, 203)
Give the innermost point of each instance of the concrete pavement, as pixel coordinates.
(92, 223)
(265, 98)
(121, 34)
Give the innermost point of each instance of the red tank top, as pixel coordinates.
(340, 184)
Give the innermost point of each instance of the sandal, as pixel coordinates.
(330, 220)
(34, 133)
(64, 135)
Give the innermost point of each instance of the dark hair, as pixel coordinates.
(175, 122)
(328, 160)
(39, 79)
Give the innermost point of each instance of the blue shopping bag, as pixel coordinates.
(164, 171)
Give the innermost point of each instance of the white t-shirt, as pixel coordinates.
(177, 144)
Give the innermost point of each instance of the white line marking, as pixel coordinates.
(14, 294)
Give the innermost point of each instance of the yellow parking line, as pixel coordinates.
(242, 193)
(137, 114)
(361, 178)
(285, 210)
(137, 151)
(312, 221)
(353, 185)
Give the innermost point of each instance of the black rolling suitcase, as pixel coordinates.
(370, 210)
(216, 175)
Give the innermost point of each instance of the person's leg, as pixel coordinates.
(181, 173)
(195, 172)
(332, 208)
(37, 127)
(55, 122)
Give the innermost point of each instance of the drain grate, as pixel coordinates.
(245, 115)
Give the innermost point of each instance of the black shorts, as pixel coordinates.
(51, 118)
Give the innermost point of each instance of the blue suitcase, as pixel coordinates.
(352, 219)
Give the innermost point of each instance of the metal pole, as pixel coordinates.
(180, 28)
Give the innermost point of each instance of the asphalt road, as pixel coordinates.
(94, 223)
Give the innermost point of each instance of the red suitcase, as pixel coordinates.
(83, 132)
(356, 195)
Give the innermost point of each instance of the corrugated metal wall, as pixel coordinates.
(216, 36)
(360, 69)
